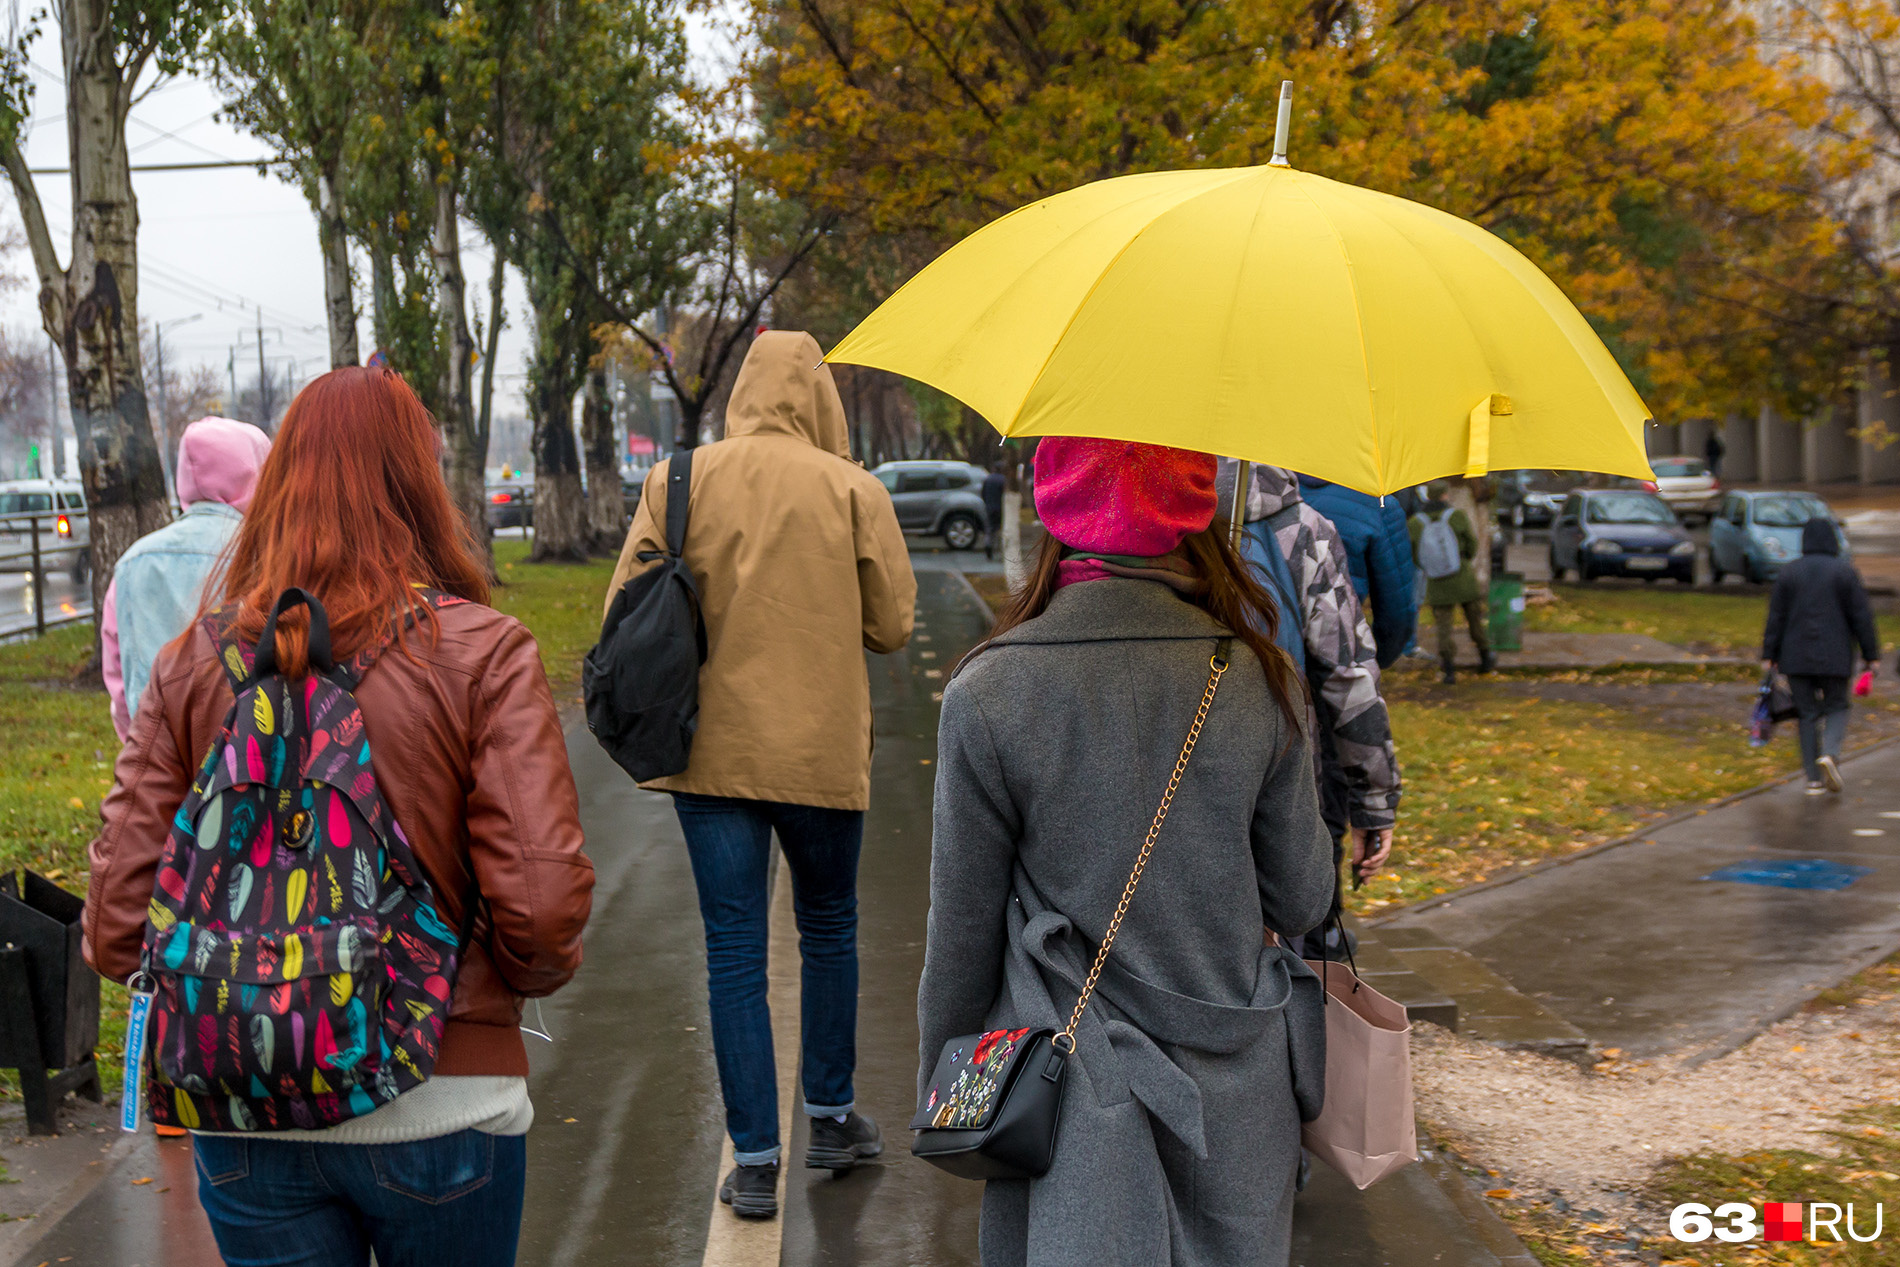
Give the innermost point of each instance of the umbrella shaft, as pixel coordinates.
(1237, 512)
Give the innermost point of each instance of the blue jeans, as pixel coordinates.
(293, 1203)
(730, 841)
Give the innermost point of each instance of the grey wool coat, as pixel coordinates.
(1180, 1136)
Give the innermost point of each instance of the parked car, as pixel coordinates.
(1620, 532)
(1688, 486)
(1756, 532)
(510, 504)
(1531, 499)
(937, 499)
(64, 523)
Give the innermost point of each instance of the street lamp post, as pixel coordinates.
(164, 398)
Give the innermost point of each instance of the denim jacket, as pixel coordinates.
(158, 582)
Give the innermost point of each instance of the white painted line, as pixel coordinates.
(1870, 831)
(730, 1240)
(1890, 813)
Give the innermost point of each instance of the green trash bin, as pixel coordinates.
(1507, 611)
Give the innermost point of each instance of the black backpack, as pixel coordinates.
(641, 680)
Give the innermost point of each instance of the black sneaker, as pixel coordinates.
(842, 1145)
(752, 1191)
(1449, 678)
(1487, 662)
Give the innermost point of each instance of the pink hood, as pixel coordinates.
(218, 461)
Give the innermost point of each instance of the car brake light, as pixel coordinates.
(1649, 486)
(63, 526)
(501, 499)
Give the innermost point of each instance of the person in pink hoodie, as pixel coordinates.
(157, 583)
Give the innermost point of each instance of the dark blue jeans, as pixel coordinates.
(730, 841)
(292, 1203)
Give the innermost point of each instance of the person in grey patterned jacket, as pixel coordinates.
(1359, 768)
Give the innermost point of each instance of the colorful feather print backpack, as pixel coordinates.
(300, 970)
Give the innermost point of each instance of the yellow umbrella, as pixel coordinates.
(1267, 314)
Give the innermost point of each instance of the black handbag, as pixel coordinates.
(994, 1100)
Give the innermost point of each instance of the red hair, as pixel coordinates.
(351, 506)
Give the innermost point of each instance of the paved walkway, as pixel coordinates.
(1638, 948)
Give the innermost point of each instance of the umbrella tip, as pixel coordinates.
(1281, 124)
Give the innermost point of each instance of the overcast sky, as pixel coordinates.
(220, 245)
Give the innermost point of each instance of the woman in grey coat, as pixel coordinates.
(1180, 1128)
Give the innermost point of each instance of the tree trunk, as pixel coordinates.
(605, 505)
(497, 279)
(560, 513)
(90, 307)
(1464, 495)
(1015, 573)
(382, 291)
(467, 448)
(339, 301)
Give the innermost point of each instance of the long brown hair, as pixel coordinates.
(351, 506)
(1228, 592)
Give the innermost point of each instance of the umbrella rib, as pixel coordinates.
(1359, 325)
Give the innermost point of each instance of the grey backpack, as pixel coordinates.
(1438, 555)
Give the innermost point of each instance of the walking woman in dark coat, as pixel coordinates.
(1180, 1135)
(1817, 614)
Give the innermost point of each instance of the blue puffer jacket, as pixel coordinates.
(1379, 553)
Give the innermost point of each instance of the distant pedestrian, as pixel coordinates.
(993, 486)
(1713, 451)
(1358, 767)
(455, 718)
(1379, 553)
(1179, 1134)
(159, 579)
(1817, 615)
(801, 567)
(1445, 544)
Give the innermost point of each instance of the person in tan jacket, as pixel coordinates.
(800, 566)
(469, 757)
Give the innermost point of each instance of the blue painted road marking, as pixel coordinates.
(1803, 873)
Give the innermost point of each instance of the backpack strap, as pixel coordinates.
(679, 500)
(679, 495)
(241, 659)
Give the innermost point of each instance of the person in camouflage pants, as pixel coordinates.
(1358, 766)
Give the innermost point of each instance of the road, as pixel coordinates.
(64, 600)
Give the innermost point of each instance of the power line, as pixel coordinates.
(207, 165)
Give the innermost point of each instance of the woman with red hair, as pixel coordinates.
(469, 757)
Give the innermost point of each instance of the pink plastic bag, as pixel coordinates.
(1864, 684)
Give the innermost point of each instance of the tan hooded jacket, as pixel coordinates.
(800, 566)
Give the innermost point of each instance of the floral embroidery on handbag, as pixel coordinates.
(973, 1093)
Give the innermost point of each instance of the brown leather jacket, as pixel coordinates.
(469, 755)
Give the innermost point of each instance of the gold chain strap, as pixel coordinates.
(1217, 666)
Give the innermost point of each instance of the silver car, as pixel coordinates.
(937, 499)
(65, 527)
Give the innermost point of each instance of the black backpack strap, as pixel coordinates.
(243, 663)
(679, 496)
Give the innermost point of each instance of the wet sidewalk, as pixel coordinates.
(1695, 936)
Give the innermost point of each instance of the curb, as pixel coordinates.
(48, 1218)
(1486, 1223)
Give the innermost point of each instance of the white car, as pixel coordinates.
(58, 507)
(1687, 486)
